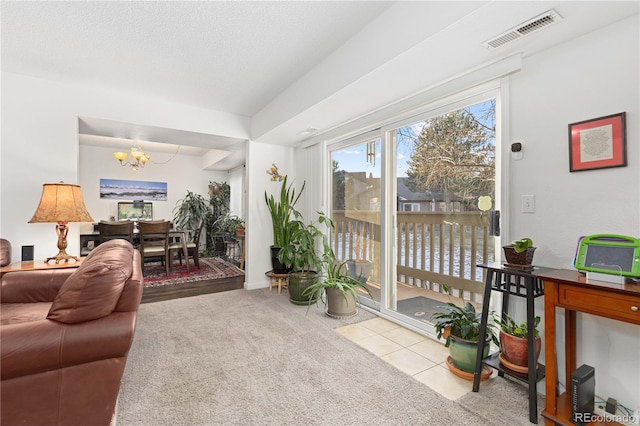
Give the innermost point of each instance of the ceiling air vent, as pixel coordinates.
(531, 26)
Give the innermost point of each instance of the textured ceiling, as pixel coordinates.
(287, 65)
(228, 56)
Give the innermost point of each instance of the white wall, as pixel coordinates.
(39, 144)
(593, 76)
(182, 173)
(259, 236)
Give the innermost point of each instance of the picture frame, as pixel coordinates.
(137, 190)
(598, 143)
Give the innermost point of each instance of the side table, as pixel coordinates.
(34, 265)
(277, 280)
(521, 283)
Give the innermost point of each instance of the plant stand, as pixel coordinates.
(521, 283)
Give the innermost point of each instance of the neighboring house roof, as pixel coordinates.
(406, 195)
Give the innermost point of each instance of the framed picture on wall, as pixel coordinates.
(598, 143)
(117, 189)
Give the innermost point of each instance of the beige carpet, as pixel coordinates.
(252, 358)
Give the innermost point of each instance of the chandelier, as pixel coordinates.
(139, 157)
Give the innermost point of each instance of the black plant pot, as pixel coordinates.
(276, 266)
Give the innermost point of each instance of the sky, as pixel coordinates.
(353, 158)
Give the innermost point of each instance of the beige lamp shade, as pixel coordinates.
(61, 202)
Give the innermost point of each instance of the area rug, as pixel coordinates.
(211, 268)
(421, 308)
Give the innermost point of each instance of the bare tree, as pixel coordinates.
(454, 154)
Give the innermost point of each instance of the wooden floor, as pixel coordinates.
(156, 294)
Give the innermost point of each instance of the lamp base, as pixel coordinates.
(62, 256)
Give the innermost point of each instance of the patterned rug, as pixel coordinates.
(211, 268)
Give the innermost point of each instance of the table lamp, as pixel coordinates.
(61, 203)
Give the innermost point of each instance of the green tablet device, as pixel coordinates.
(609, 254)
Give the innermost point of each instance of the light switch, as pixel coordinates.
(528, 204)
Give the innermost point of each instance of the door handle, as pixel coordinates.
(494, 223)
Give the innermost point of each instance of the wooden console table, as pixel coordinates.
(33, 265)
(572, 291)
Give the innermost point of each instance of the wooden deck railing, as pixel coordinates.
(434, 248)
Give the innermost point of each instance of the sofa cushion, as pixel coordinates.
(93, 290)
(15, 313)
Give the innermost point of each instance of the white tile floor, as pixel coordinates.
(409, 352)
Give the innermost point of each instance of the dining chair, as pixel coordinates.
(154, 241)
(193, 247)
(110, 230)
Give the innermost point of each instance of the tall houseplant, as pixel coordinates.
(303, 259)
(283, 213)
(219, 198)
(189, 212)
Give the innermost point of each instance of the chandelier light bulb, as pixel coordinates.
(138, 155)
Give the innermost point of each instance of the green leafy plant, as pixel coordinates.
(301, 253)
(283, 212)
(190, 211)
(509, 326)
(462, 322)
(522, 244)
(335, 274)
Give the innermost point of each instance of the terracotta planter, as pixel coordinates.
(514, 349)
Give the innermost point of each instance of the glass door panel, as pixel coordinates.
(445, 186)
(355, 192)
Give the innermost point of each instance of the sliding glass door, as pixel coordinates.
(355, 188)
(414, 205)
(445, 196)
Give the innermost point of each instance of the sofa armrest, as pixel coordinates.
(45, 345)
(33, 286)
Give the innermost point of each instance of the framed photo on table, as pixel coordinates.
(598, 143)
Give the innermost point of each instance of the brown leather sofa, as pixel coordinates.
(64, 338)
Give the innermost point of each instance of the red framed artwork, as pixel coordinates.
(598, 143)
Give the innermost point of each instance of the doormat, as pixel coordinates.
(211, 268)
(421, 308)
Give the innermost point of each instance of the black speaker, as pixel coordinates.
(27, 253)
(583, 387)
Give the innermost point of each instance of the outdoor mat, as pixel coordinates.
(421, 308)
(211, 268)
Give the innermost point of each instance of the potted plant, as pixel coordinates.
(238, 225)
(302, 259)
(514, 345)
(219, 198)
(460, 326)
(338, 289)
(519, 253)
(359, 269)
(189, 212)
(283, 212)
